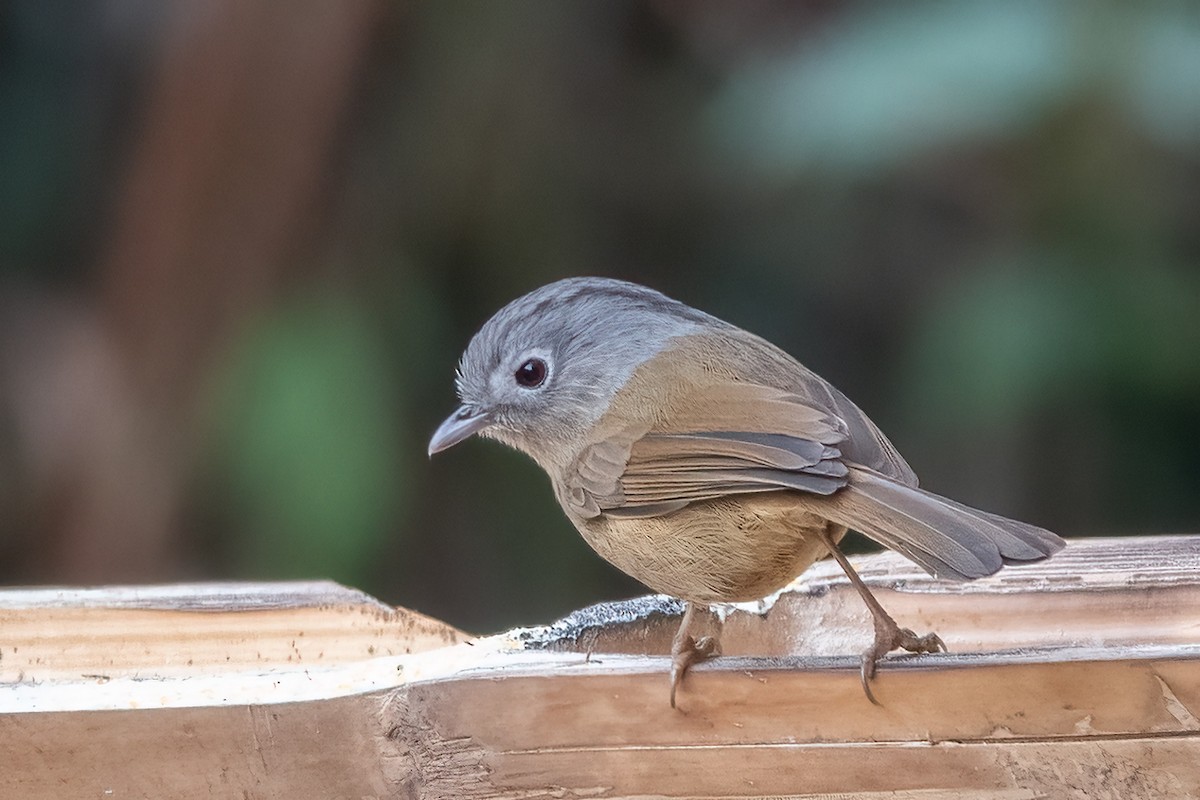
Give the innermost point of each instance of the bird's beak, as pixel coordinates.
(462, 424)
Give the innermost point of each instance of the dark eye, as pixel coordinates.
(531, 373)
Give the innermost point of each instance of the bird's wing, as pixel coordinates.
(739, 438)
(736, 438)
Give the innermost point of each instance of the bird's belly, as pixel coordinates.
(716, 551)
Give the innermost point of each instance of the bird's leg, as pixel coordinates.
(888, 635)
(687, 649)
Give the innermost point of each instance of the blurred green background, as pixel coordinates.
(243, 243)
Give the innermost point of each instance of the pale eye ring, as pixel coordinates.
(531, 374)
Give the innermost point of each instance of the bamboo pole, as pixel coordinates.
(1078, 677)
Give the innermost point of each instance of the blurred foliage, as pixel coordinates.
(1064, 348)
(305, 435)
(892, 83)
(977, 219)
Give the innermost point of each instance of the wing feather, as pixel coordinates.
(791, 445)
(740, 438)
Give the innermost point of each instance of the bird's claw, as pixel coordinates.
(888, 637)
(685, 652)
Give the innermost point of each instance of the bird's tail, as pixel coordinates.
(948, 539)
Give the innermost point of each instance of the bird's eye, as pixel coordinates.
(532, 373)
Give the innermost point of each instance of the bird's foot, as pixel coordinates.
(687, 650)
(888, 637)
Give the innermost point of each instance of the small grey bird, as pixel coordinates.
(704, 461)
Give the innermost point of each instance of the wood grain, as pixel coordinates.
(190, 630)
(1080, 680)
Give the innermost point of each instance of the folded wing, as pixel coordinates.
(742, 438)
(706, 452)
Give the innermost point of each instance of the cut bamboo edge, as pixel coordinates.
(215, 644)
(1097, 647)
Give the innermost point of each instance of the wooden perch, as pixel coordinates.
(1078, 677)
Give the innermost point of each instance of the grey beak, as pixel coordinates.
(462, 424)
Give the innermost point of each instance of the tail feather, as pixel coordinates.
(1041, 543)
(946, 538)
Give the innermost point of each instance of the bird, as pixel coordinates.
(704, 461)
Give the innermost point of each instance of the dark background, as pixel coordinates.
(243, 243)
